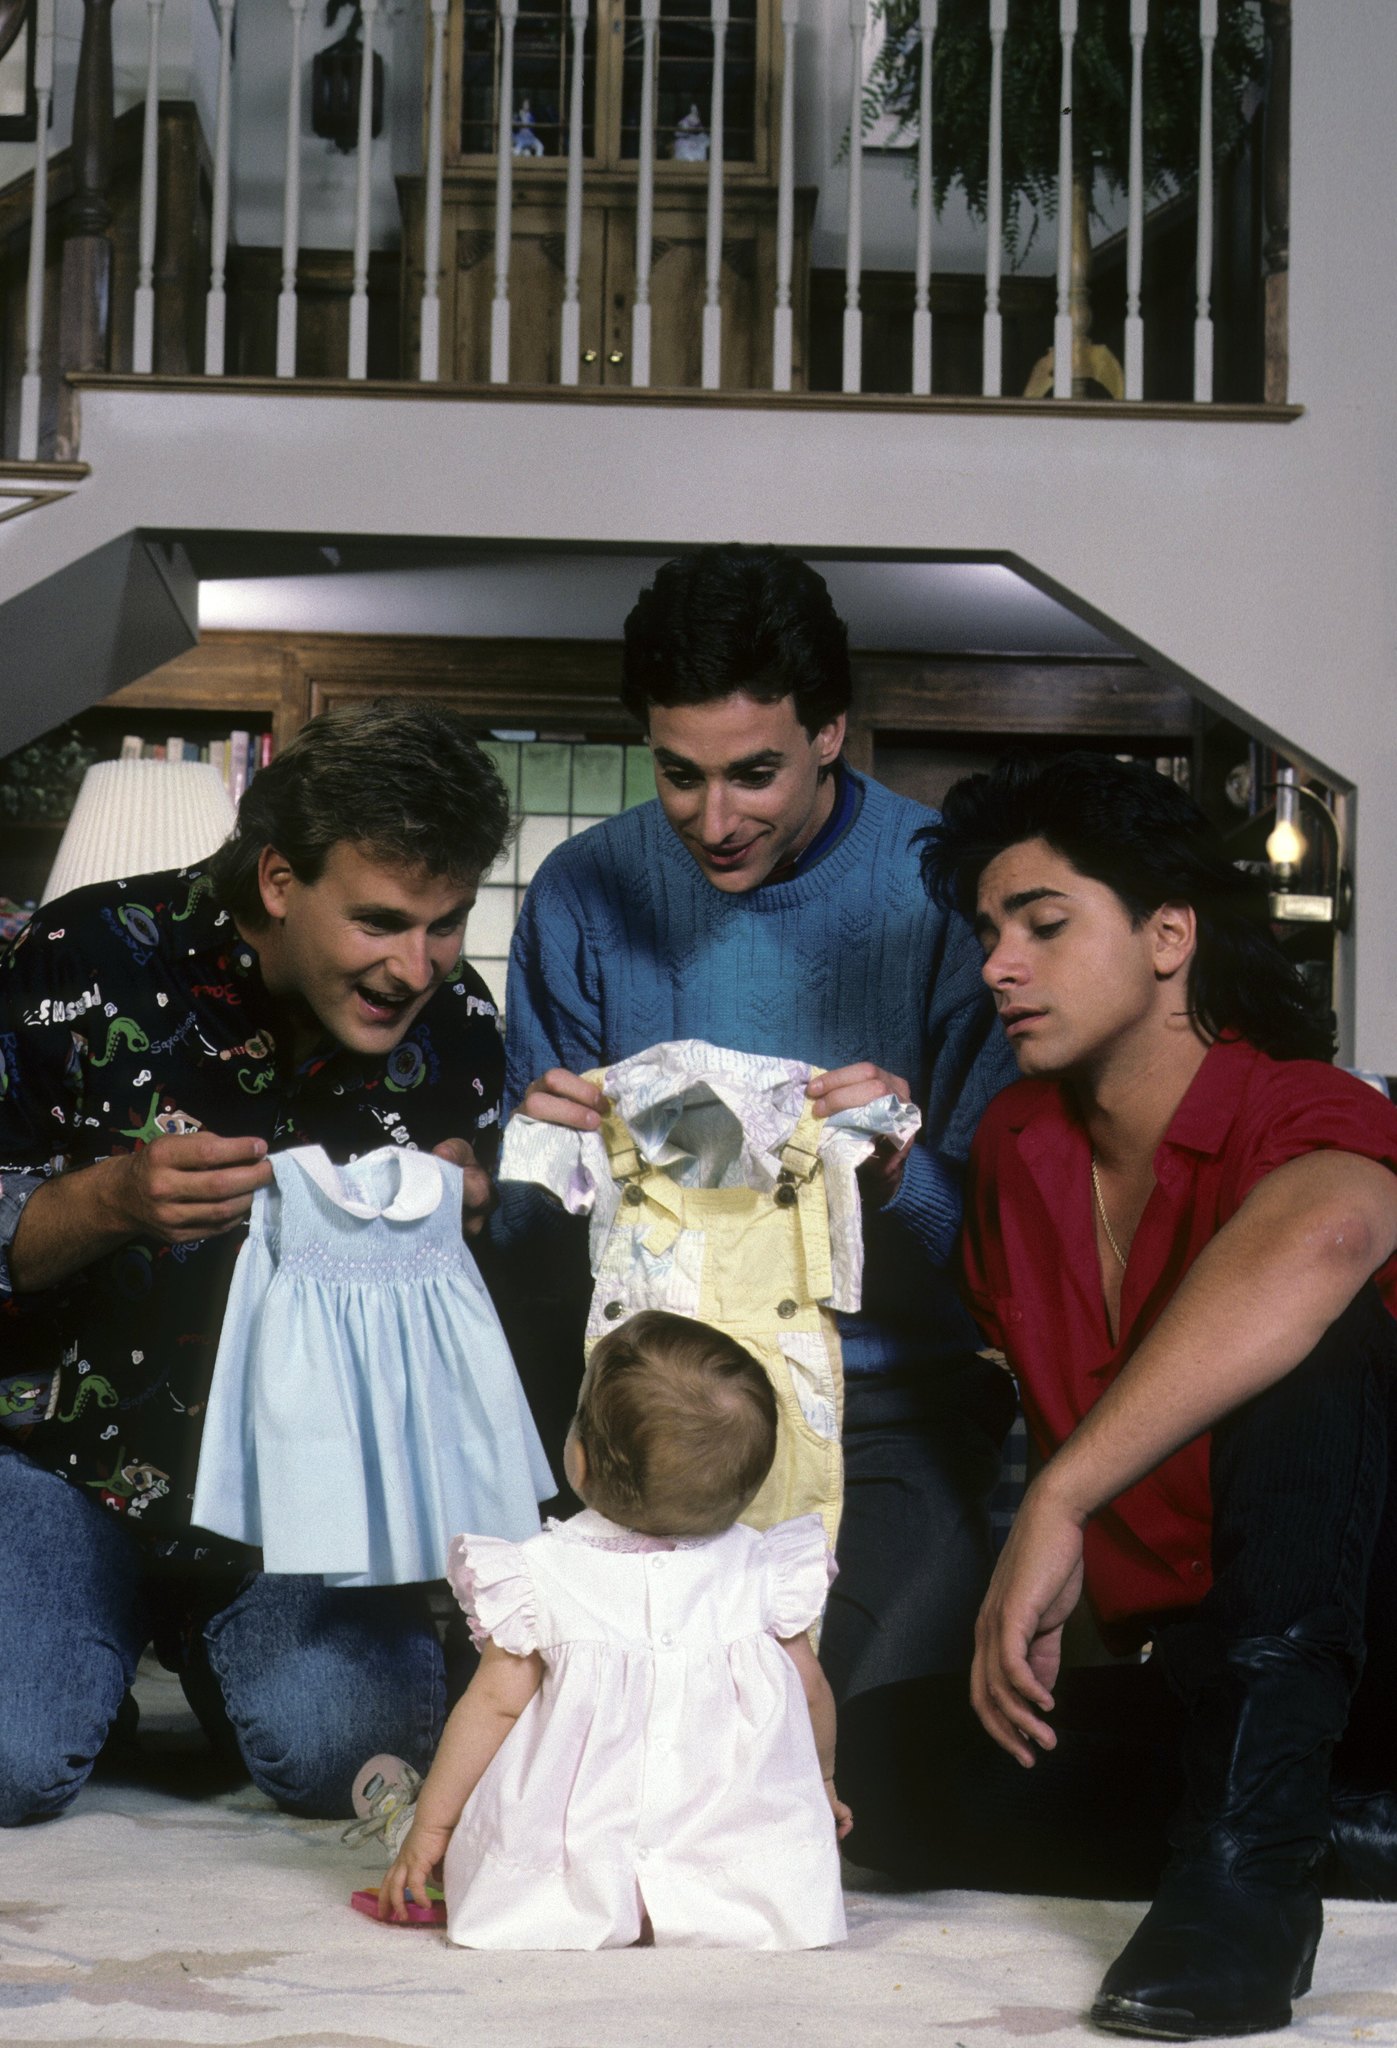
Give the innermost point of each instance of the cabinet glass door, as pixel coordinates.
(684, 82)
(542, 80)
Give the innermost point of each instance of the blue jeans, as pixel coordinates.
(298, 1680)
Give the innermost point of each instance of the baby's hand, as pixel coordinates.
(418, 1864)
(843, 1817)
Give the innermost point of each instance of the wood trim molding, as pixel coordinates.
(574, 686)
(722, 401)
(1007, 694)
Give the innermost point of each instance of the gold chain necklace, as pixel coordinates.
(1101, 1212)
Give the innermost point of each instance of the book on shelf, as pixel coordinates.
(240, 766)
(237, 756)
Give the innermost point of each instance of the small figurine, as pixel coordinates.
(691, 139)
(526, 142)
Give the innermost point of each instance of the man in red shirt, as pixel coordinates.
(1183, 1220)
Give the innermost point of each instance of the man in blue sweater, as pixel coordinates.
(771, 901)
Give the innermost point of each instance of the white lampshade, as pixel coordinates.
(132, 817)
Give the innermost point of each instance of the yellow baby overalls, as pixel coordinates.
(760, 1265)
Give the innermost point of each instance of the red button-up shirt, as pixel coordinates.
(1033, 1276)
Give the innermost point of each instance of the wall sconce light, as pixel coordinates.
(335, 75)
(1286, 849)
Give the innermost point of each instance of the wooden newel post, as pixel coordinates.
(85, 323)
(1275, 254)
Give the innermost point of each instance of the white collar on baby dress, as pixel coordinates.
(598, 1534)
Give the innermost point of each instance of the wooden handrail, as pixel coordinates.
(1275, 252)
(84, 335)
(17, 198)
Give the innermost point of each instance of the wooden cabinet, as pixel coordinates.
(612, 77)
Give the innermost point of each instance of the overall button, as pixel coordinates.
(634, 1195)
(612, 1310)
(786, 1197)
(786, 1309)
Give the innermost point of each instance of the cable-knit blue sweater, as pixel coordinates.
(622, 943)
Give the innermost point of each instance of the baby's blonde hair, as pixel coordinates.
(678, 1424)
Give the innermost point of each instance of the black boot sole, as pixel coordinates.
(1119, 2015)
(1167, 2023)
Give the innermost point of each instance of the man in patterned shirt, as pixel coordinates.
(158, 1038)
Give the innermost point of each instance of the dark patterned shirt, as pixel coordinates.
(133, 1009)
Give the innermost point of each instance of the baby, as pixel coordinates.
(648, 1743)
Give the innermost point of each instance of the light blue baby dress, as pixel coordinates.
(364, 1405)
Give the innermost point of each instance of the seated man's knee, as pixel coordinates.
(355, 1672)
(39, 1777)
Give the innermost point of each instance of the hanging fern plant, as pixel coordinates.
(960, 116)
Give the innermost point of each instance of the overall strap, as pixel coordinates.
(800, 1155)
(802, 1183)
(626, 1162)
(640, 1183)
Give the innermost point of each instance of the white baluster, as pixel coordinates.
(853, 232)
(216, 308)
(143, 331)
(359, 298)
(712, 298)
(1135, 217)
(645, 195)
(38, 237)
(291, 204)
(1203, 325)
(504, 195)
(783, 326)
(921, 313)
(429, 341)
(1062, 326)
(993, 375)
(570, 368)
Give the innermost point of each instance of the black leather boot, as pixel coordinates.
(1361, 1860)
(1232, 1933)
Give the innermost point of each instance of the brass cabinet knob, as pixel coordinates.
(589, 355)
(617, 355)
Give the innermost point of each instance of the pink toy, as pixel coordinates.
(428, 1912)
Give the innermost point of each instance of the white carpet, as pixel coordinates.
(160, 1912)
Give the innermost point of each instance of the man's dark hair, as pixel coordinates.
(737, 618)
(1122, 823)
(405, 782)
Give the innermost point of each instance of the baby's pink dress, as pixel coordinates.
(667, 1763)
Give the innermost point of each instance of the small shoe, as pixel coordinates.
(384, 1796)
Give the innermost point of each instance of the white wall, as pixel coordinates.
(189, 48)
(824, 67)
(187, 35)
(327, 174)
